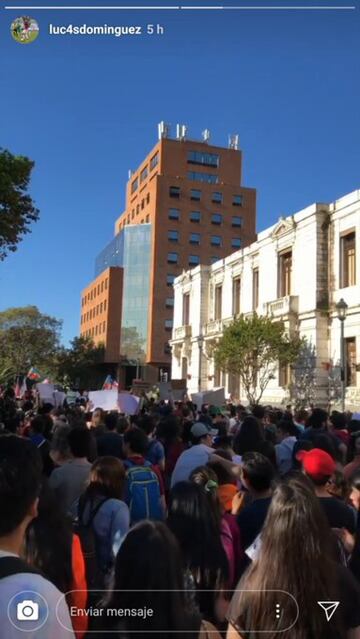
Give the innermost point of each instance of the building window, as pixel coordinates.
(174, 191)
(236, 242)
(174, 214)
(255, 288)
(217, 377)
(195, 216)
(147, 219)
(98, 289)
(142, 221)
(214, 258)
(237, 200)
(210, 178)
(347, 260)
(218, 302)
(215, 240)
(137, 209)
(194, 238)
(96, 330)
(206, 159)
(104, 327)
(194, 260)
(134, 185)
(132, 214)
(172, 258)
(104, 305)
(142, 204)
(217, 197)
(169, 302)
(148, 198)
(284, 375)
(284, 273)
(350, 354)
(236, 220)
(216, 218)
(173, 236)
(154, 161)
(168, 324)
(236, 291)
(101, 307)
(170, 279)
(186, 309)
(144, 174)
(195, 195)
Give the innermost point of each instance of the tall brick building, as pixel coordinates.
(185, 205)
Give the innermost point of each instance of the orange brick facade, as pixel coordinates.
(101, 304)
(191, 220)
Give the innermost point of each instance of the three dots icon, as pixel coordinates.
(277, 611)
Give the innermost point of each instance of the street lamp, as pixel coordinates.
(200, 344)
(341, 308)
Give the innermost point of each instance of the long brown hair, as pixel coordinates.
(296, 557)
(107, 476)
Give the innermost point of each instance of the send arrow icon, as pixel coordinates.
(329, 607)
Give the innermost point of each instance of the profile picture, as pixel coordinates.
(24, 29)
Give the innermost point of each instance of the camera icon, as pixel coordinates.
(27, 610)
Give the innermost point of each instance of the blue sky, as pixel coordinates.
(86, 109)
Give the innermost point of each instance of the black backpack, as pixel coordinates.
(85, 531)
(10, 566)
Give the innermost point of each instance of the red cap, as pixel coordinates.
(316, 462)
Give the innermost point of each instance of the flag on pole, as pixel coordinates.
(110, 383)
(34, 374)
(20, 389)
(17, 388)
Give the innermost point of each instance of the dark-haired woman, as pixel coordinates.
(198, 532)
(148, 578)
(230, 534)
(295, 556)
(55, 551)
(101, 506)
(250, 437)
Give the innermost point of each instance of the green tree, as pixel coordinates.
(253, 348)
(80, 366)
(17, 209)
(28, 338)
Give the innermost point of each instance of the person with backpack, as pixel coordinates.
(102, 519)
(144, 483)
(29, 603)
(155, 453)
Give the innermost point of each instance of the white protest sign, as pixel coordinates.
(59, 398)
(105, 399)
(128, 404)
(215, 397)
(46, 392)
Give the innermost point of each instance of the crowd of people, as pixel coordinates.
(194, 522)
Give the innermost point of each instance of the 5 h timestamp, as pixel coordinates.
(155, 29)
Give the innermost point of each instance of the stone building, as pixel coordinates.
(297, 270)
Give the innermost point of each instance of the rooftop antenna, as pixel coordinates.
(234, 141)
(206, 135)
(181, 131)
(163, 130)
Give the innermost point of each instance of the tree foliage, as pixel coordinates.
(80, 365)
(17, 209)
(253, 348)
(28, 338)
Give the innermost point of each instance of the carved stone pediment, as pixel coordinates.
(284, 225)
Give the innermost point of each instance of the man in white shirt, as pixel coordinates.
(197, 455)
(30, 605)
